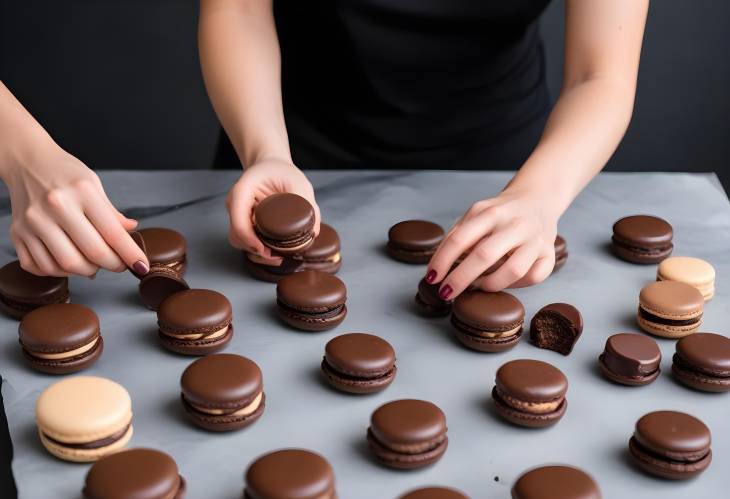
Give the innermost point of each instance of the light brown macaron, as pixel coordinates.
(693, 271)
(670, 309)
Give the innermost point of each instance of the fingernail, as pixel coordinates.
(445, 292)
(431, 276)
(140, 267)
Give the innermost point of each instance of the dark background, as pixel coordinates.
(118, 83)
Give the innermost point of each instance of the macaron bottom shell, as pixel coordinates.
(419, 257)
(200, 346)
(527, 419)
(223, 422)
(357, 385)
(665, 468)
(81, 455)
(68, 365)
(626, 380)
(312, 321)
(698, 380)
(399, 460)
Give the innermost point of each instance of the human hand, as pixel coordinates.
(63, 222)
(260, 180)
(520, 225)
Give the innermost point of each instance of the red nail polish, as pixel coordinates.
(140, 267)
(445, 292)
(431, 276)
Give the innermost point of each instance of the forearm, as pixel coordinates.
(241, 63)
(582, 132)
(20, 134)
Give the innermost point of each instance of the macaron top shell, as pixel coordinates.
(555, 482)
(325, 245)
(434, 493)
(280, 216)
(686, 269)
(311, 289)
(134, 473)
(221, 380)
(24, 286)
(195, 309)
(83, 409)
(666, 432)
(416, 235)
(708, 352)
(58, 327)
(643, 230)
(635, 350)
(158, 285)
(163, 245)
(671, 298)
(360, 353)
(531, 380)
(408, 422)
(489, 310)
(290, 474)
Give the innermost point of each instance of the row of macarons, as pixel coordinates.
(295, 473)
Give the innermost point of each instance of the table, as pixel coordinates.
(485, 455)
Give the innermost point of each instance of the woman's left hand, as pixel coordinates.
(519, 224)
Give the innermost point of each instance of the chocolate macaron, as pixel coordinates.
(84, 418)
(670, 309)
(556, 327)
(555, 482)
(630, 359)
(60, 338)
(21, 291)
(359, 363)
(428, 301)
(407, 434)
(195, 322)
(561, 252)
(702, 362)
(434, 493)
(164, 248)
(135, 473)
(487, 322)
(262, 268)
(671, 445)
(311, 300)
(285, 223)
(642, 239)
(692, 271)
(530, 393)
(290, 474)
(414, 241)
(158, 284)
(223, 392)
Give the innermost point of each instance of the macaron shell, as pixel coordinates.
(693, 271)
(194, 310)
(360, 354)
(85, 455)
(555, 482)
(408, 421)
(281, 216)
(20, 285)
(671, 300)
(434, 493)
(674, 435)
(200, 346)
(526, 419)
(489, 311)
(163, 245)
(667, 469)
(223, 422)
(406, 461)
(158, 285)
(623, 379)
(83, 409)
(59, 327)
(325, 245)
(645, 231)
(290, 473)
(666, 330)
(706, 352)
(311, 290)
(66, 366)
(222, 381)
(631, 354)
(353, 385)
(699, 381)
(415, 235)
(531, 380)
(488, 345)
(312, 322)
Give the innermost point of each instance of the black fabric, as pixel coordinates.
(7, 482)
(411, 83)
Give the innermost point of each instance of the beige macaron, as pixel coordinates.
(693, 271)
(84, 418)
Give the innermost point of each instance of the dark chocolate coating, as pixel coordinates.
(702, 362)
(194, 311)
(158, 285)
(642, 239)
(671, 444)
(631, 359)
(555, 482)
(324, 247)
(311, 300)
(58, 328)
(139, 473)
(429, 302)
(414, 241)
(434, 493)
(531, 381)
(488, 312)
(163, 246)
(556, 327)
(21, 291)
(272, 273)
(285, 222)
(290, 473)
(359, 363)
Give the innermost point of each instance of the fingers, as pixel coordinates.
(541, 270)
(103, 216)
(460, 240)
(24, 257)
(129, 224)
(45, 264)
(88, 240)
(241, 233)
(488, 251)
(65, 253)
(512, 270)
(317, 219)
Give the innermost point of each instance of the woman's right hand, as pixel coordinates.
(260, 180)
(63, 222)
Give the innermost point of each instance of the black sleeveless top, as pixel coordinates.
(412, 83)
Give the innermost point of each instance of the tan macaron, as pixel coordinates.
(84, 418)
(693, 271)
(670, 309)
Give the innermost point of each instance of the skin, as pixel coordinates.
(241, 63)
(63, 222)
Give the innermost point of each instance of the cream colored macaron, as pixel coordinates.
(693, 271)
(84, 418)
